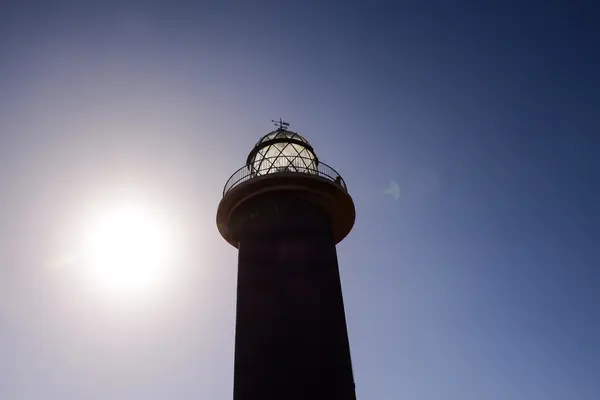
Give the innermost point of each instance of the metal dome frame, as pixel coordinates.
(265, 142)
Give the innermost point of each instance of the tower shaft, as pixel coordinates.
(291, 338)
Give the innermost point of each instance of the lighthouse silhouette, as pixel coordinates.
(285, 211)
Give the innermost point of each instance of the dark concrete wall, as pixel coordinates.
(291, 338)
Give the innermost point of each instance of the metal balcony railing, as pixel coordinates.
(274, 165)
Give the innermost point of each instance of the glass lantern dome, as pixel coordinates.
(282, 151)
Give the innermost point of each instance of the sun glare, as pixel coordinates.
(126, 250)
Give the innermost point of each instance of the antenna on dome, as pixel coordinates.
(280, 124)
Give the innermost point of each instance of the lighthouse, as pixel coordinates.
(285, 211)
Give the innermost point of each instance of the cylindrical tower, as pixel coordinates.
(285, 211)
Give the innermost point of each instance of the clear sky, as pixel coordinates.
(480, 282)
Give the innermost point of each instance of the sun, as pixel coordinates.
(126, 250)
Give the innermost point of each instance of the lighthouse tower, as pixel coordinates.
(285, 211)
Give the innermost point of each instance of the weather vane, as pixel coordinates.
(280, 124)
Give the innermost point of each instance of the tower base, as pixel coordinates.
(291, 336)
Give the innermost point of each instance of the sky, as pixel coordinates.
(479, 282)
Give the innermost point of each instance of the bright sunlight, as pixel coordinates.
(126, 250)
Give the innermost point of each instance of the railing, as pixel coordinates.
(293, 165)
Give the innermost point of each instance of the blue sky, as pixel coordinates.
(480, 282)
